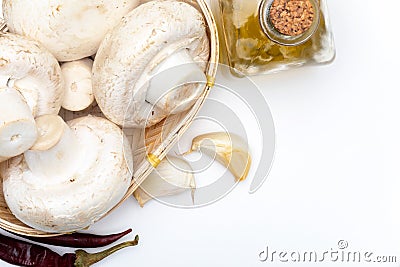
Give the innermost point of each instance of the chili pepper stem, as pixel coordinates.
(84, 259)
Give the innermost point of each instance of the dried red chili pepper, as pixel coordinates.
(23, 253)
(79, 240)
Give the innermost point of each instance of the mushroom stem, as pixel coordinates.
(173, 72)
(17, 126)
(57, 152)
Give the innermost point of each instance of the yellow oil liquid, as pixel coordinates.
(249, 51)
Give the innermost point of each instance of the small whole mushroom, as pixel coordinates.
(151, 64)
(70, 29)
(31, 85)
(78, 84)
(72, 176)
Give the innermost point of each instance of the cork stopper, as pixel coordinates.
(289, 22)
(291, 17)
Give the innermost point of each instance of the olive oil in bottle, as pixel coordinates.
(265, 36)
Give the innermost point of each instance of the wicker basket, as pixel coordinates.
(159, 139)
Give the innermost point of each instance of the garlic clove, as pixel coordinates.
(228, 149)
(171, 177)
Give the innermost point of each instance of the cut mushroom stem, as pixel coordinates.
(78, 84)
(57, 152)
(173, 72)
(17, 126)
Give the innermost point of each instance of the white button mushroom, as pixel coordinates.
(30, 85)
(132, 74)
(29, 68)
(78, 84)
(69, 29)
(71, 177)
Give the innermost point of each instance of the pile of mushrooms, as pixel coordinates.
(31, 85)
(141, 63)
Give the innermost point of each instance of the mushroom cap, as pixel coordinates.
(33, 71)
(70, 29)
(76, 202)
(131, 52)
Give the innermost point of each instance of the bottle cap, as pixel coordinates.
(289, 22)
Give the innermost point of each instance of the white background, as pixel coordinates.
(335, 175)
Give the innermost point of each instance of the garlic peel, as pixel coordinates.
(171, 177)
(228, 149)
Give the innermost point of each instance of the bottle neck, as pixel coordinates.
(289, 22)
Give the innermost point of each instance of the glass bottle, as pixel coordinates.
(265, 36)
